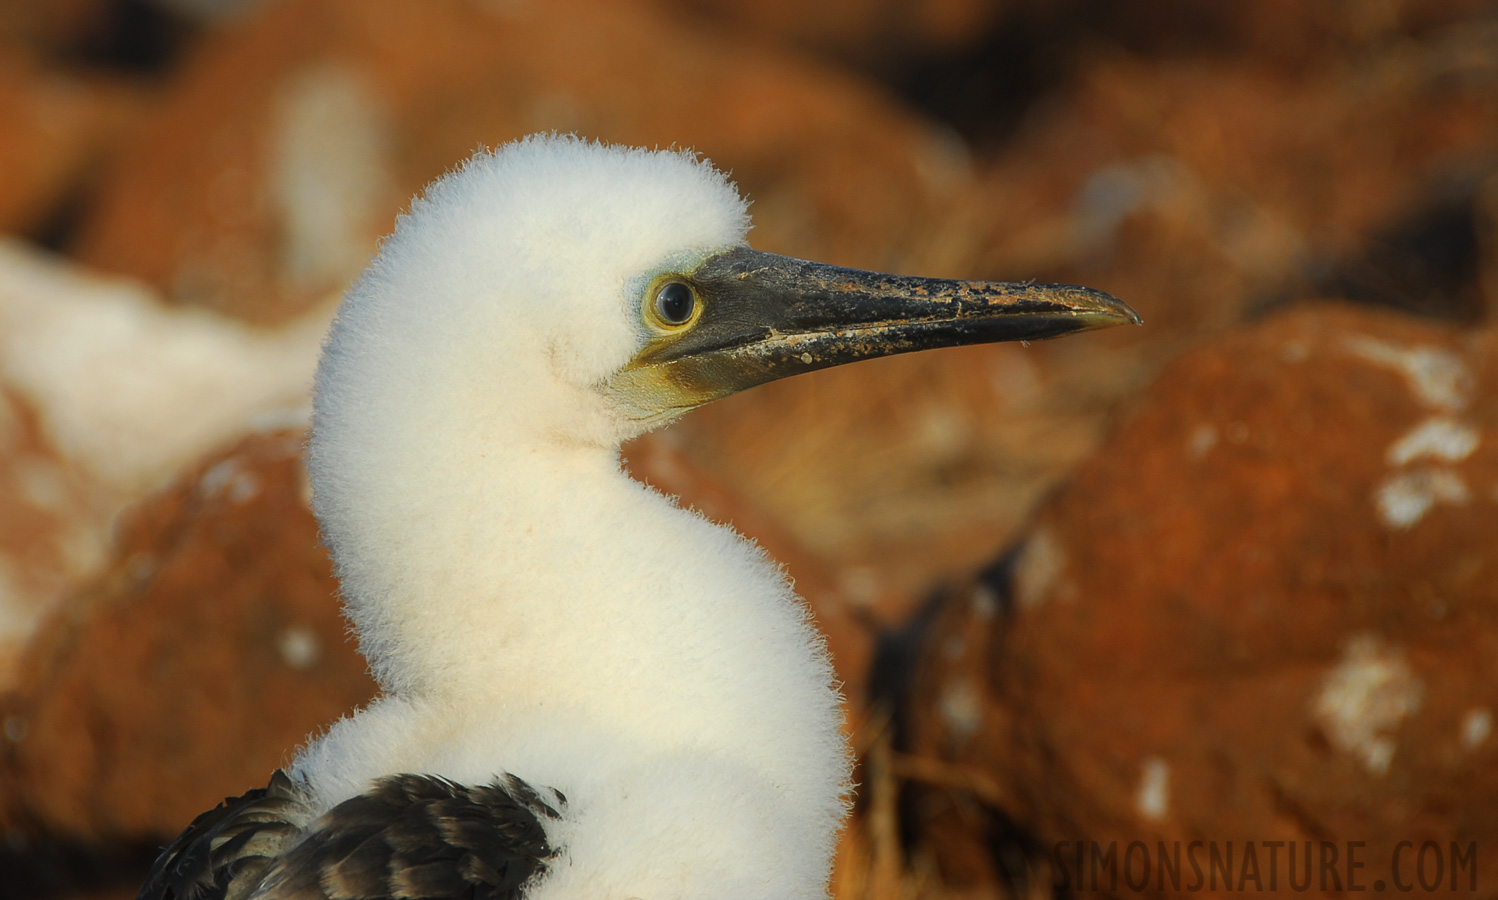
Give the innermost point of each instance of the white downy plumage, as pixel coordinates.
(529, 608)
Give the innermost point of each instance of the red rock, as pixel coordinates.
(1205, 184)
(1293, 36)
(1263, 610)
(58, 128)
(50, 27)
(50, 533)
(284, 148)
(206, 653)
(910, 471)
(110, 394)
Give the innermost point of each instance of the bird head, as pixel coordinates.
(584, 293)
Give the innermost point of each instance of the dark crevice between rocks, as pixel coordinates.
(52, 868)
(1427, 262)
(1016, 853)
(137, 38)
(984, 92)
(58, 229)
(1033, 49)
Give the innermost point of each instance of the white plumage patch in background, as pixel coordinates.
(131, 389)
(527, 606)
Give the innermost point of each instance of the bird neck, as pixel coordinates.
(546, 616)
(490, 577)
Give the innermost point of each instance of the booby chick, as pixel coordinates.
(588, 693)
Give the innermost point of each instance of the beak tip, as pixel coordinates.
(1110, 311)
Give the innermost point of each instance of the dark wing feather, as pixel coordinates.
(225, 851)
(413, 837)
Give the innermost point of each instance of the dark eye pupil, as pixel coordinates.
(674, 302)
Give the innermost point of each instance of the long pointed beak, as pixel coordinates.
(765, 316)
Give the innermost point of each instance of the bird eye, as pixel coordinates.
(674, 303)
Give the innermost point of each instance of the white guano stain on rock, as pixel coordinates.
(42, 483)
(1439, 438)
(229, 480)
(299, 647)
(16, 605)
(1040, 565)
(1438, 378)
(1364, 699)
(961, 709)
(984, 602)
(331, 173)
(1406, 496)
(1200, 441)
(1152, 796)
(1477, 726)
(860, 585)
(942, 432)
(1114, 193)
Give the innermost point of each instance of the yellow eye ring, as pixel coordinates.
(673, 303)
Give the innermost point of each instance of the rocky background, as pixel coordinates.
(1232, 576)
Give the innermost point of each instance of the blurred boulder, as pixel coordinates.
(106, 395)
(1263, 610)
(59, 128)
(50, 529)
(135, 40)
(1206, 183)
(207, 651)
(283, 149)
(909, 471)
(1293, 36)
(1438, 259)
(50, 27)
(1032, 53)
